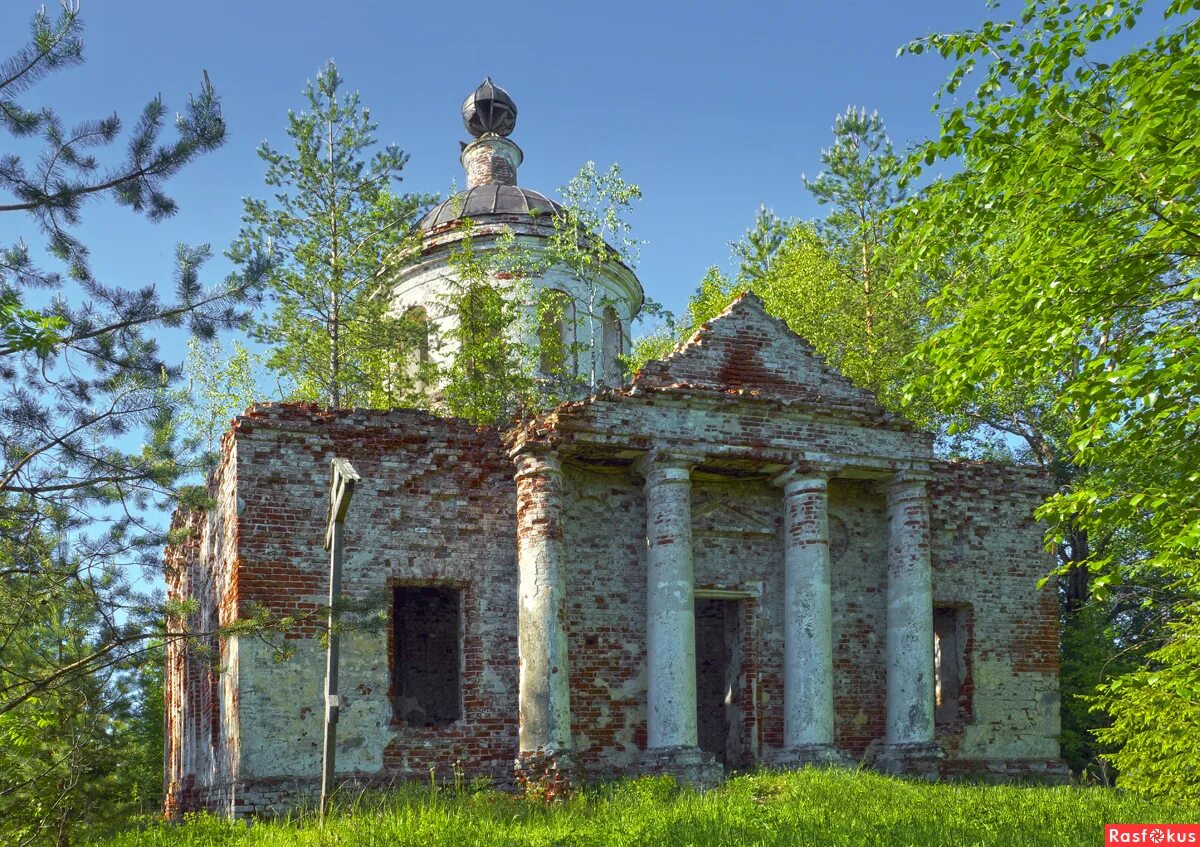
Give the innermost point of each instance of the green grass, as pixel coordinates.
(809, 807)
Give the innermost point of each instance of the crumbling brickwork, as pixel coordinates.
(556, 594)
(200, 696)
(435, 508)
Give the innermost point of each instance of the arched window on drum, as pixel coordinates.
(556, 334)
(612, 347)
(416, 337)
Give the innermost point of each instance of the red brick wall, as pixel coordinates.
(988, 554)
(435, 507)
(199, 697)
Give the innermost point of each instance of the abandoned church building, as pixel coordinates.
(734, 557)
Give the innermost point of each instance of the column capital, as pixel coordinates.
(663, 465)
(906, 484)
(805, 471)
(535, 458)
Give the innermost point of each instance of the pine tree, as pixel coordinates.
(87, 439)
(862, 185)
(330, 222)
(756, 250)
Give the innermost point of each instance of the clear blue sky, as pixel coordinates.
(712, 108)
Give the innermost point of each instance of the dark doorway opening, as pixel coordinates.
(718, 663)
(426, 633)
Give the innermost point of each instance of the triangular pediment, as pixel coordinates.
(746, 351)
(724, 519)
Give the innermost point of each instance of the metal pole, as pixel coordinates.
(332, 701)
(341, 491)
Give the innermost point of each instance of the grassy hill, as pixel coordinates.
(809, 807)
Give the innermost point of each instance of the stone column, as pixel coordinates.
(908, 742)
(670, 603)
(671, 732)
(808, 618)
(544, 693)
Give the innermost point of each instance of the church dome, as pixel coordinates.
(488, 201)
(592, 311)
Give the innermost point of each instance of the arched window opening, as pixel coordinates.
(482, 344)
(556, 334)
(416, 321)
(612, 346)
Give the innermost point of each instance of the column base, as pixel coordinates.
(547, 774)
(688, 765)
(921, 759)
(815, 755)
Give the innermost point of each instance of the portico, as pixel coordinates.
(807, 690)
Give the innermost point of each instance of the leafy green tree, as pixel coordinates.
(658, 343)
(808, 287)
(592, 231)
(330, 222)
(88, 440)
(67, 742)
(1079, 192)
(218, 386)
(491, 378)
(144, 763)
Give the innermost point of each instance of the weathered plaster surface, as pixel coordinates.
(909, 618)
(670, 612)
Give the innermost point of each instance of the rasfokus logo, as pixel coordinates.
(1152, 833)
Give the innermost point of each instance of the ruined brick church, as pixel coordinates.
(735, 558)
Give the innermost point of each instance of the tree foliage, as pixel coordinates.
(217, 387)
(1078, 195)
(491, 377)
(592, 232)
(830, 280)
(88, 439)
(861, 183)
(330, 222)
(756, 249)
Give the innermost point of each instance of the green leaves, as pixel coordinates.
(1067, 251)
(219, 385)
(491, 378)
(24, 329)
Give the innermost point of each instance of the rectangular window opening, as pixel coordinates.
(950, 663)
(427, 658)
